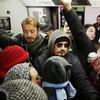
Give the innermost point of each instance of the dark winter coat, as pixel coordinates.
(35, 48)
(79, 79)
(82, 46)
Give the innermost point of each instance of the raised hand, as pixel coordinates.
(67, 4)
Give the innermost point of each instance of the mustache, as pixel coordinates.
(29, 38)
(62, 52)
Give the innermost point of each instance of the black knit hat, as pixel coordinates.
(56, 70)
(21, 90)
(63, 39)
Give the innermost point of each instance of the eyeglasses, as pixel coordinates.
(62, 44)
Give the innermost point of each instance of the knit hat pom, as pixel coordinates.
(11, 56)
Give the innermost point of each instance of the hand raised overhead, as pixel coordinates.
(67, 4)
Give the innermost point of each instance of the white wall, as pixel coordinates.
(91, 13)
(38, 10)
(95, 2)
(17, 10)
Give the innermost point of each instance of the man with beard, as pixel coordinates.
(31, 40)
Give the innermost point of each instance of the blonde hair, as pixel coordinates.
(31, 21)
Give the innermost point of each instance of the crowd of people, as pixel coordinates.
(62, 65)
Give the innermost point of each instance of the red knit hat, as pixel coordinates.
(11, 56)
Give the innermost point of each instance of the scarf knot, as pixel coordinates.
(64, 91)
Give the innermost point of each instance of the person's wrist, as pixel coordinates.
(69, 7)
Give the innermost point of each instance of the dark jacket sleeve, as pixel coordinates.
(79, 79)
(39, 61)
(78, 32)
(6, 41)
(37, 65)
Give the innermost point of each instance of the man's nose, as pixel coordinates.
(63, 47)
(29, 34)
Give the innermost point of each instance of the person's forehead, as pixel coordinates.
(62, 42)
(98, 18)
(33, 71)
(91, 27)
(66, 24)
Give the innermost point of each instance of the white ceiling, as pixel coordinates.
(38, 2)
(95, 2)
(51, 2)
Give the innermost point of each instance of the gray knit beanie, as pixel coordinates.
(21, 90)
(19, 71)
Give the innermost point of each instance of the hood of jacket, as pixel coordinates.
(56, 66)
(54, 36)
